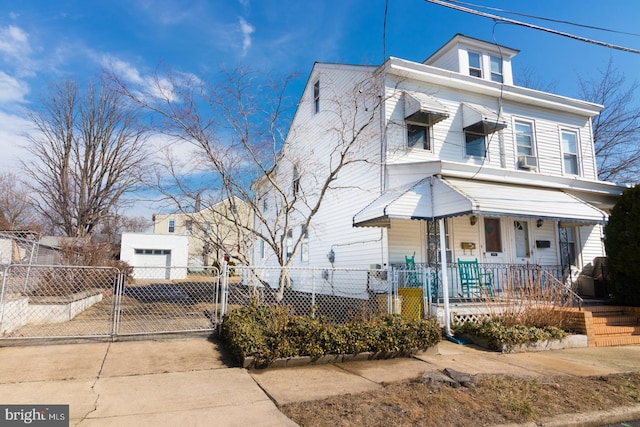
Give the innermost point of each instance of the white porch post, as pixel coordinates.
(445, 280)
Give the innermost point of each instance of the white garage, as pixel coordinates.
(155, 256)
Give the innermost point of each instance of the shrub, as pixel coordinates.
(269, 333)
(622, 242)
(500, 334)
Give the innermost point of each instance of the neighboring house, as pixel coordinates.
(509, 171)
(155, 256)
(27, 247)
(212, 232)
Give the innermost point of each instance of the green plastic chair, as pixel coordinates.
(473, 282)
(412, 276)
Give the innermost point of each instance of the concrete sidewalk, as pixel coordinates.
(137, 383)
(288, 385)
(193, 382)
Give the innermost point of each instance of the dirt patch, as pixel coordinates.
(495, 399)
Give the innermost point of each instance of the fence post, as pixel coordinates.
(117, 291)
(2, 292)
(225, 289)
(313, 293)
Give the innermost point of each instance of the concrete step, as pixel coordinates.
(610, 341)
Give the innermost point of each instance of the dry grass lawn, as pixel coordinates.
(494, 400)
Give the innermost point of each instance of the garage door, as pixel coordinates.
(159, 259)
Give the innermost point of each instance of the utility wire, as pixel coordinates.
(384, 32)
(542, 18)
(535, 27)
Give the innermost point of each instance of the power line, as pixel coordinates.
(535, 27)
(542, 18)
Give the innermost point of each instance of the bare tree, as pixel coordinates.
(236, 129)
(15, 206)
(87, 153)
(616, 131)
(528, 77)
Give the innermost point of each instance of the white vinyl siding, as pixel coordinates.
(405, 238)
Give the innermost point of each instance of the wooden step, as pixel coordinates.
(610, 341)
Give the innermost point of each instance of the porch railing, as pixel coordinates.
(506, 279)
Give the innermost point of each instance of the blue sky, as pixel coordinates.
(43, 40)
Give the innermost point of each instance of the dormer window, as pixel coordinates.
(496, 69)
(475, 60)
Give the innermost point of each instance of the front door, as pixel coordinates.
(521, 235)
(493, 246)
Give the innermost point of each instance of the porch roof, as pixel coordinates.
(443, 197)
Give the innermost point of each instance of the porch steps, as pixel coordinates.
(613, 326)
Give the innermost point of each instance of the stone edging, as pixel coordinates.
(571, 341)
(249, 362)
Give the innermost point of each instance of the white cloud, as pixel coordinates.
(122, 68)
(13, 129)
(12, 89)
(14, 41)
(247, 29)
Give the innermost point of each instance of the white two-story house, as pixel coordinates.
(448, 146)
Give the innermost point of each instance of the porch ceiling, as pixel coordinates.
(434, 198)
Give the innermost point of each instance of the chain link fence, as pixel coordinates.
(76, 302)
(339, 295)
(168, 299)
(57, 301)
(38, 301)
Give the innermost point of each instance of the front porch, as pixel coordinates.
(419, 290)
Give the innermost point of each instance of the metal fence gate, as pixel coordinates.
(165, 300)
(81, 302)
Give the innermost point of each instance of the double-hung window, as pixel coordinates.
(496, 69)
(296, 181)
(289, 243)
(475, 144)
(524, 138)
(304, 247)
(475, 68)
(418, 136)
(172, 226)
(570, 152)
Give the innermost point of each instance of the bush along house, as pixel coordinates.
(451, 168)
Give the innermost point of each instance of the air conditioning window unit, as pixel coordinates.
(527, 162)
